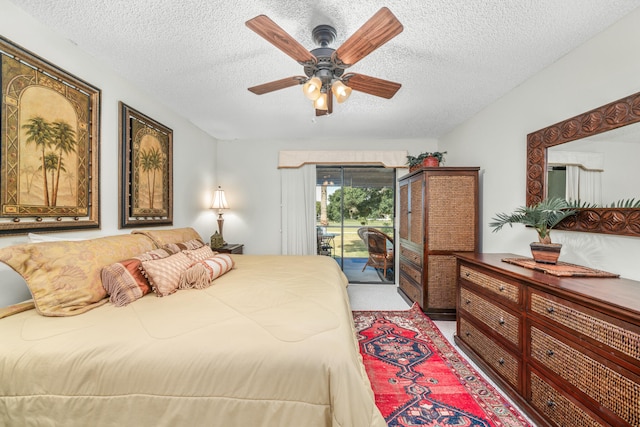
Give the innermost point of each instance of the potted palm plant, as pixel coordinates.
(426, 159)
(542, 217)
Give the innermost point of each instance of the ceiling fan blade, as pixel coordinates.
(379, 29)
(278, 37)
(372, 85)
(277, 85)
(329, 109)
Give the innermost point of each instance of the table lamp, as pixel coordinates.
(219, 203)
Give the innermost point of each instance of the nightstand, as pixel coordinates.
(230, 248)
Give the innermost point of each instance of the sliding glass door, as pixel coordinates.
(355, 212)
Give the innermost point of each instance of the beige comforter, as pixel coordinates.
(271, 343)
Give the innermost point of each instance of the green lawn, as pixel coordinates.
(354, 247)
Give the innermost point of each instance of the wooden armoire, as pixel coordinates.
(438, 216)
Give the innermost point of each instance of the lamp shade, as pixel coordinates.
(341, 91)
(321, 102)
(312, 88)
(219, 200)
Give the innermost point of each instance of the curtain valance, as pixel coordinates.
(388, 159)
(583, 159)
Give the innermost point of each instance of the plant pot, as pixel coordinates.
(430, 162)
(545, 253)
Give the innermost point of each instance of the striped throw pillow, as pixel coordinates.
(125, 282)
(201, 274)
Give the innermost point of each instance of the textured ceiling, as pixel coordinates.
(453, 58)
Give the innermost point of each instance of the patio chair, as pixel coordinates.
(380, 247)
(325, 242)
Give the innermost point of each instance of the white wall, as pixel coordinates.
(193, 150)
(604, 69)
(248, 172)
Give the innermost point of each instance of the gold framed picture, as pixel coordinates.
(146, 170)
(49, 140)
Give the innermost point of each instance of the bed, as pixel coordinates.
(269, 343)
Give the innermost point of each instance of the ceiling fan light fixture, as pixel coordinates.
(324, 66)
(312, 87)
(341, 91)
(321, 102)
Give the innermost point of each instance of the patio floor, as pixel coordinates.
(353, 270)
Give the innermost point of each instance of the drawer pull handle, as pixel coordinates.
(468, 334)
(550, 353)
(468, 301)
(550, 310)
(551, 403)
(467, 274)
(501, 288)
(501, 321)
(501, 361)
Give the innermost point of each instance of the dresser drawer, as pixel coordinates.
(500, 360)
(606, 386)
(497, 319)
(556, 407)
(409, 270)
(612, 333)
(411, 289)
(410, 255)
(508, 290)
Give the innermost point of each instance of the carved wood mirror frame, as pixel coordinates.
(620, 221)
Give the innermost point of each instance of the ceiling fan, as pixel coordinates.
(325, 67)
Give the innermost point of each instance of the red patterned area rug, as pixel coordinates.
(419, 379)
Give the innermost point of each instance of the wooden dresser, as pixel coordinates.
(438, 216)
(566, 349)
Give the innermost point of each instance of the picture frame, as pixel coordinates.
(146, 170)
(49, 146)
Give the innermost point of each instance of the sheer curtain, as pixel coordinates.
(584, 173)
(298, 206)
(584, 185)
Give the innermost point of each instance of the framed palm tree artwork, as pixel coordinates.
(146, 176)
(49, 160)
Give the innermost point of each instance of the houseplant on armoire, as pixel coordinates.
(426, 159)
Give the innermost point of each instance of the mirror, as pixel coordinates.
(588, 130)
(600, 169)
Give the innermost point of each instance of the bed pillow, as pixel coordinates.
(175, 235)
(199, 254)
(164, 274)
(64, 277)
(202, 273)
(125, 282)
